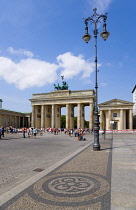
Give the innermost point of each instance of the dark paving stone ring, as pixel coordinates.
(70, 189)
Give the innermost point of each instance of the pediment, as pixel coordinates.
(116, 102)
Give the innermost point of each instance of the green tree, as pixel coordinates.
(86, 124)
(63, 121)
(75, 122)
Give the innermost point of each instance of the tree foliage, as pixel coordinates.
(63, 122)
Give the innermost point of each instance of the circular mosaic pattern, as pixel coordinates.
(69, 185)
(71, 189)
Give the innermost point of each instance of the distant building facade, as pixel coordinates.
(13, 118)
(46, 108)
(46, 111)
(116, 114)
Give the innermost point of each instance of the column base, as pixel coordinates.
(96, 147)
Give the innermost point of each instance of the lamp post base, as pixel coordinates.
(96, 147)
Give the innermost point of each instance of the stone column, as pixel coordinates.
(19, 121)
(23, 121)
(42, 117)
(5, 121)
(130, 120)
(53, 116)
(91, 116)
(124, 117)
(57, 116)
(15, 121)
(10, 120)
(67, 117)
(48, 118)
(121, 119)
(79, 116)
(33, 116)
(82, 117)
(29, 122)
(71, 113)
(109, 119)
(101, 120)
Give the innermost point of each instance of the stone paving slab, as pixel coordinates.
(123, 185)
(19, 157)
(88, 180)
(83, 182)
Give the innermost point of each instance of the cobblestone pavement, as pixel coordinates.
(89, 180)
(19, 157)
(83, 182)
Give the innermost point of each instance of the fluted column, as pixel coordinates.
(109, 119)
(130, 120)
(124, 117)
(15, 121)
(42, 117)
(10, 120)
(67, 116)
(121, 119)
(79, 116)
(5, 121)
(57, 116)
(23, 122)
(82, 116)
(91, 116)
(101, 120)
(53, 116)
(71, 112)
(33, 116)
(19, 121)
(29, 123)
(48, 116)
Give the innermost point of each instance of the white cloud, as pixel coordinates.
(20, 52)
(33, 72)
(101, 5)
(27, 73)
(72, 65)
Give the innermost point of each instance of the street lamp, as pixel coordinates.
(95, 19)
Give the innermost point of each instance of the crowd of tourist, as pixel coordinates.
(79, 133)
(32, 132)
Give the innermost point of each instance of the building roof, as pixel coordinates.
(116, 102)
(14, 111)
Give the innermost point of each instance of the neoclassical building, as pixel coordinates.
(46, 108)
(13, 118)
(116, 114)
(46, 111)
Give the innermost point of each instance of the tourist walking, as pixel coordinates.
(34, 132)
(24, 131)
(2, 131)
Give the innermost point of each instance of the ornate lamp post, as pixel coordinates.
(95, 19)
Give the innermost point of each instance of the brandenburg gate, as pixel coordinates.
(46, 108)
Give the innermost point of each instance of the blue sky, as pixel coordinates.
(41, 40)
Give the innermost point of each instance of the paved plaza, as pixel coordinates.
(59, 172)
